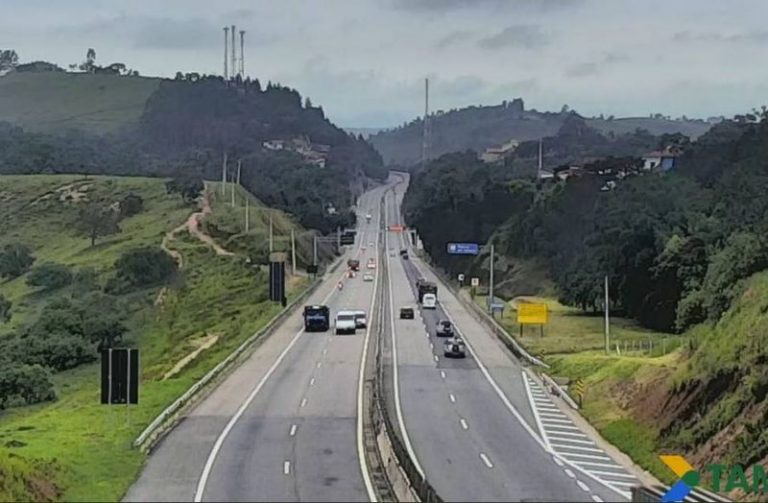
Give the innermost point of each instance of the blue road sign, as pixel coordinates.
(463, 248)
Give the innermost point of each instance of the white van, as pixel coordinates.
(429, 301)
(345, 322)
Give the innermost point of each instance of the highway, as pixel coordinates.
(468, 422)
(286, 424)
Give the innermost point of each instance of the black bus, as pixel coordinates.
(423, 286)
(317, 318)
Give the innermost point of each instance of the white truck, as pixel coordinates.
(368, 217)
(345, 322)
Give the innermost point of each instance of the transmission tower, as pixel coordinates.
(425, 144)
(226, 52)
(242, 53)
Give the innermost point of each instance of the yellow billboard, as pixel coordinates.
(532, 314)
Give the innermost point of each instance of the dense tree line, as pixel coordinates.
(188, 126)
(674, 246)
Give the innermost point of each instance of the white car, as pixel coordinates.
(371, 264)
(361, 320)
(429, 301)
(367, 277)
(345, 322)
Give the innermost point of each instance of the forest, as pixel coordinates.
(676, 246)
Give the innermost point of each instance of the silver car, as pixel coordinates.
(454, 348)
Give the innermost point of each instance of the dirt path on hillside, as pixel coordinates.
(191, 225)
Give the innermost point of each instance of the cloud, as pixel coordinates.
(453, 38)
(589, 68)
(752, 37)
(523, 35)
(166, 33)
(442, 6)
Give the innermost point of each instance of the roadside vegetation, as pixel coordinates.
(56, 441)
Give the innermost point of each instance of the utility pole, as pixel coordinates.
(232, 190)
(607, 318)
(426, 133)
(293, 252)
(224, 175)
(247, 213)
(338, 238)
(239, 163)
(271, 247)
(538, 173)
(490, 287)
(226, 52)
(235, 182)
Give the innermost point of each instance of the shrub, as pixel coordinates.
(15, 260)
(50, 276)
(145, 266)
(5, 309)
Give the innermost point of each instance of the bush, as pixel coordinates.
(145, 266)
(5, 309)
(30, 383)
(50, 276)
(15, 260)
(131, 205)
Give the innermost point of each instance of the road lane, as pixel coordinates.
(297, 438)
(470, 445)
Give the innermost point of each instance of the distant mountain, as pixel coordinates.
(478, 128)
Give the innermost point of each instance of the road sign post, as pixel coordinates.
(463, 248)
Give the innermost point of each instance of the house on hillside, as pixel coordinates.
(566, 171)
(494, 154)
(661, 160)
(274, 145)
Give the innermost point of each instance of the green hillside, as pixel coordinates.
(54, 101)
(73, 448)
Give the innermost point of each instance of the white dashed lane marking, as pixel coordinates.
(572, 444)
(293, 430)
(486, 460)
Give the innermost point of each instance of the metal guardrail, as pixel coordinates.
(380, 417)
(166, 419)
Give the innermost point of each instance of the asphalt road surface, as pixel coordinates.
(283, 426)
(468, 421)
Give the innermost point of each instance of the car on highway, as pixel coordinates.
(429, 301)
(404, 254)
(361, 319)
(317, 318)
(406, 313)
(370, 244)
(444, 328)
(345, 322)
(371, 263)
(367, 277)
(391, 253)
(454, 348)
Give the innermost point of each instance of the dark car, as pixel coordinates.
(444, 329)
(406, 313)
(404, 254)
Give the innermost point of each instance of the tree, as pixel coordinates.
(145, 266)
(89, 65)
(5, 309)
(189, 187)
(9, 59)
(49, 276)
(96, 221)
(15, 260)
(179, 76)
(131, 205)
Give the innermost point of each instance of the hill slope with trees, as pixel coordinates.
(480, 127)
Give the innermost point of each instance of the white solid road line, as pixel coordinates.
(293, 430)
(241, 410)
(552, 421)
(570, 440)
(585, 456)
(464, 423)
(570, 434)
(602, 465)
(505, 400)
(286, 467)
(486, 460)
(576, 448)
(395, 373)
(612, 474)
(535, 411)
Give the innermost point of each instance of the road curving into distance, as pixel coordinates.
(468, 421)
(284, 426)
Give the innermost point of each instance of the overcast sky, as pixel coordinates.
(364, 61)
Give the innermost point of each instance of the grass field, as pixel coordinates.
(75, 449)
(55, 101)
